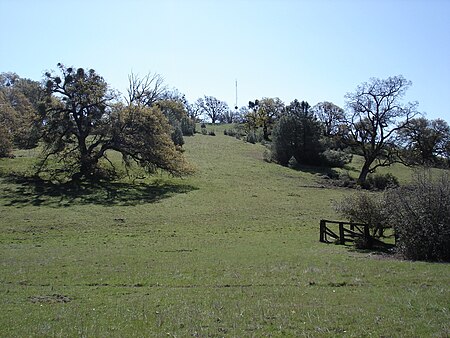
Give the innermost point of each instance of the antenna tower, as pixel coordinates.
(235, 105)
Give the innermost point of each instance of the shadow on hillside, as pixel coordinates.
(27, 191)
(379, 248)
(320, 171)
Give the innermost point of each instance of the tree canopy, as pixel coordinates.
(331, 116)
(264, 114)
(297, 134)
(376, 114)
(84, 120)
(426, 142)
(19, 122)
(212, 107)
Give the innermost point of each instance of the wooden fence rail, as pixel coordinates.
(347, 232)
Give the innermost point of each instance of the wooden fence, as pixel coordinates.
(346, 232)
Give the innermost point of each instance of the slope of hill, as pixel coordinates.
(232, 250)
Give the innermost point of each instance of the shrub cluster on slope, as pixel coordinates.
(419, 214)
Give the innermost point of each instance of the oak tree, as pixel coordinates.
(376, 114)
(426, 142)
(19, 120)
(84, 120)
(213, 107)
(331, 116)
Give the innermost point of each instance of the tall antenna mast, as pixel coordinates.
(235, 105)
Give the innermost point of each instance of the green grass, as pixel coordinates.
(230, 251)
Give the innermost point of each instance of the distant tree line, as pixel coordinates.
(79, 118)
(376, 125)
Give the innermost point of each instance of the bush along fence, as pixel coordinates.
(346, 232)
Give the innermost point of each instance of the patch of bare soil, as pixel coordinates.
(55, 298)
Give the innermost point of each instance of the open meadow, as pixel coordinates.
(232, 250)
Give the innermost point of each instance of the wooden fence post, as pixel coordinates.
(322, 230)
(367, 236)
(341, 233)
(366, 232)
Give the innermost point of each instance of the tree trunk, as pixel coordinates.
(87, 166)
(265, 132)
(363, 174)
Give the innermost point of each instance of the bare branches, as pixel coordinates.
(376, 116)
(330, 115)
(212, 107)
(145, 91)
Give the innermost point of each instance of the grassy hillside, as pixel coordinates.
(230, 251)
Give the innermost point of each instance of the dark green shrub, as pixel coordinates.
(420, 214)
(267, 155)
(335, 158)
(363, 243)
(177, 135)
(204, 131)
(230, 132)
(251, 137)
(347, 181)
(367, 208)
(293, 163)
(380, 182)
(187, 126)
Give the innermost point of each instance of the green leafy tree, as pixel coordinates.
(297, 134)
(185, 120)
(263, 114)
(331, 116)
(175, 113)
(19, 101)
(7, 125)
(376, 115)
(426, 142)
(84, 120)
(251, 119)
(150, 90)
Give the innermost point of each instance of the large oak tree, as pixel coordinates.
(212, 107)
(376, 115)
(84, 120)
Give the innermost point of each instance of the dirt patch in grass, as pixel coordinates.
(55, 298)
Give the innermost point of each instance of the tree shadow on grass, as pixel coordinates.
(378, 248)
(316, 170)
(30, 191)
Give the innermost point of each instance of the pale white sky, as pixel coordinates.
(307, 50)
